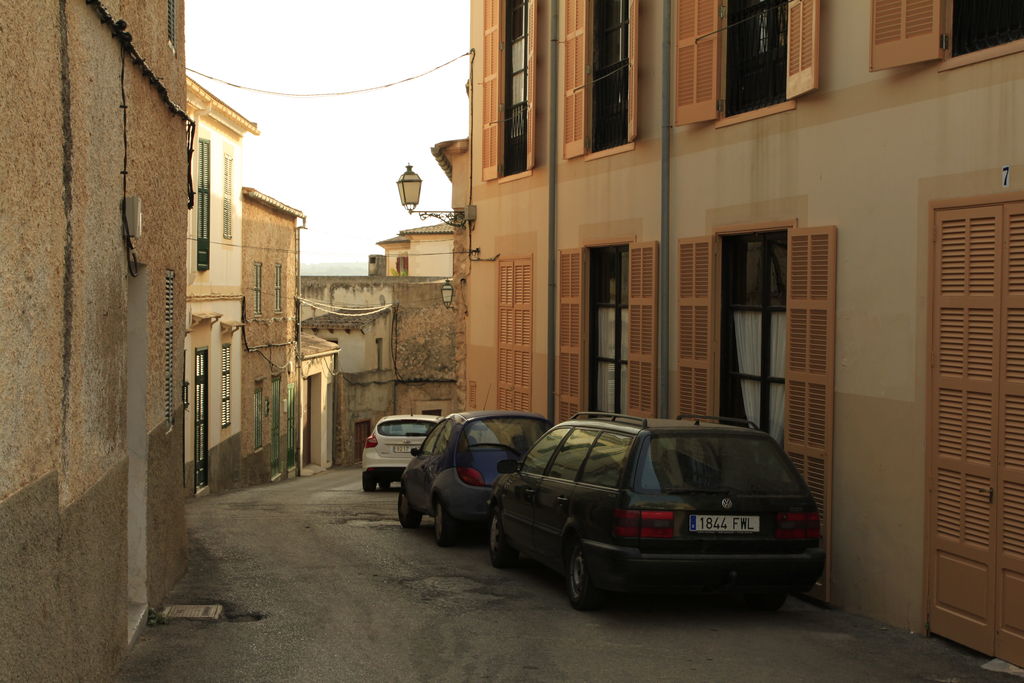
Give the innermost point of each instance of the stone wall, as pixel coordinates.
(420, 372)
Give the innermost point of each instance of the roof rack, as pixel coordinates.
(718, 418)
(611, 417)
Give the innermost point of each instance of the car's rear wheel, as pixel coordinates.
(764, 602)
(502, 554)
(369, 482)
(445, 531)
(409, 518)
(583, 594)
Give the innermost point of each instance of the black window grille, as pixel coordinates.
(611, 74)
(515, 95)
(980, 24)
(755, 74)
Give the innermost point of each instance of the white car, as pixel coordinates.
(387, 449)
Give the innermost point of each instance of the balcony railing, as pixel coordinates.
(980, 24)
(611, 106)
(755, 56)
(515, 140)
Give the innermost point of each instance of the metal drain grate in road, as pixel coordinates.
(207, 612)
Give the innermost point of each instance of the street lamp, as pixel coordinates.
(409, 184)
(447, 293)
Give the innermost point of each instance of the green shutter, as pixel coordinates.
(291, 425)
(203, 208)
(229, 194)
(225, 386)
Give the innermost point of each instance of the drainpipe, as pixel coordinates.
(553, 207)
(298, 349)
(664, 252)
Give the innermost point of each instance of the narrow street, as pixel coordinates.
(319, 582)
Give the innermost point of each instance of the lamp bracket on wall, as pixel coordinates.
(474, 255)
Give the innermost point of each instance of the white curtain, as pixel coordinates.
(777, 408)
(748, 353)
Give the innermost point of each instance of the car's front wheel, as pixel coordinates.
(583, 594)
(445, 531)
(369, 482)
(502, 554)
(409, 518)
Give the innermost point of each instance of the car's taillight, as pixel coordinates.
(371, 441)
(797, 525)
(470, 476)
(643, 523)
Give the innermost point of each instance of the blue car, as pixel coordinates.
(450, 474)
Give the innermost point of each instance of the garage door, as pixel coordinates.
(976, 440)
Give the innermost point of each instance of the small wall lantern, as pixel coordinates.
(447, 293)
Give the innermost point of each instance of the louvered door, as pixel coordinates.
(643, 330)
(965, 372)
(570, 314)
(1010, 474)
(810, 370)
(202, 438)
(695, 357)
(515, 334)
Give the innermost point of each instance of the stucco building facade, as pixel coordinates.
(213, 345)
(91, 502)
(816, 232)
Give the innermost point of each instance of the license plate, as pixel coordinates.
(725, 524)
(401, 449)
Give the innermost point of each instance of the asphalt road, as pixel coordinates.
(320, 583)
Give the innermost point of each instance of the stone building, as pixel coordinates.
(92, 527)
(397, 350)
(271, 401)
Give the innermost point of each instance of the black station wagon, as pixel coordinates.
(618, 503)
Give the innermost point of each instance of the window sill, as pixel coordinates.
(788, 105)
(982, 55)
(611, 151)
(517, 176)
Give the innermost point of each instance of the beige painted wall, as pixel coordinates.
(866, 152)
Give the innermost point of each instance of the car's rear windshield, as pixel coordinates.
(733, 463)
(404, 428)
(516, 432)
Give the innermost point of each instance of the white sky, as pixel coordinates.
(337, 158)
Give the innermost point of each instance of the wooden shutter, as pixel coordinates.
(203, 208)
(965, 381)
(515, 334)
(696, 61)
(531, 83)
(492, 89)
(570, 342)
(810, 369)
(634, 68)
(904, 32)
(695, 355)
(642, 394)
(577, 64)
(802, 47)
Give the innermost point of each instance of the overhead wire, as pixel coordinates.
(329, 94)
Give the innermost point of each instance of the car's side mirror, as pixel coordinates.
(508, 466)
(416, 452)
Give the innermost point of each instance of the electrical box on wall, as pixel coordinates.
(133, 216)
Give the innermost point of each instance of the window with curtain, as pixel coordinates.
(609, 328)
(754, 329)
